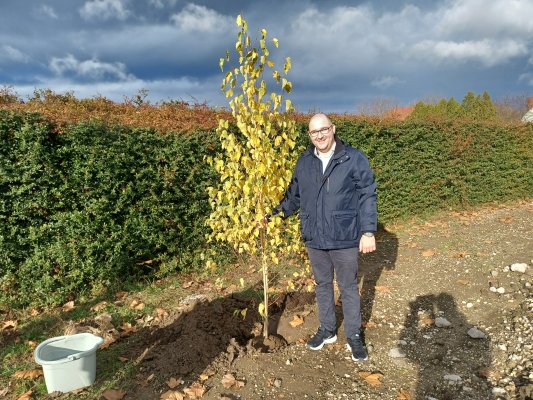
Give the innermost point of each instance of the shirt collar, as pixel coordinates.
(329, 154)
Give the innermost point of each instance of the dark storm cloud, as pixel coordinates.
(344, 53)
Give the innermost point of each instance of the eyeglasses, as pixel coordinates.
(324, 131)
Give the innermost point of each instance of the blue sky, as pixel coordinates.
(346, 55)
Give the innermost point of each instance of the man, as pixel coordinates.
(333, 187)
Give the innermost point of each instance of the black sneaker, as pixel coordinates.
(321, 338)
(355, 345)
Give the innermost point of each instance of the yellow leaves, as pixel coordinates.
(136, 305)
(428, 253)
(276, 42)
(172, 395)
(373, 379)
(11, 324)
(288, 65)
(382, 289)
(29, 374)
(261, 310)
(113, 394)
(288, 105)
(404, 394)
(195, 391)
(229, 382)
(173, 382)
(25, 395)
(296, 321)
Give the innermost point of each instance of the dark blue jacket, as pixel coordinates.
(335, 206)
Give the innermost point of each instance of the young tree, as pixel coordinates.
(256, 164)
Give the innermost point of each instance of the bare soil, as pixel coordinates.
(443, 267)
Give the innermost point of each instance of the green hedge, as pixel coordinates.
(98, 205)
(424, 167)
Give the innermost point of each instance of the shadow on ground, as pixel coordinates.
(445, 351)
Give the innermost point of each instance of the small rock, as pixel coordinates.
(475, 333)
(395, 352)
(402, 342)
(498, 391)
(494, 273)
(469, 305)
(277, 382)
(502, 347)
(493, 289)
(500, 290)
(452, 377)
(441, 322)
(519, 267)
(288, 362)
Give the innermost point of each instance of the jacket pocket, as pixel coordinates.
(344, 225)
(305, 227)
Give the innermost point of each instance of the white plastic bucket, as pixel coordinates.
(69, 362)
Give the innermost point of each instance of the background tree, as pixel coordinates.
(256, 164)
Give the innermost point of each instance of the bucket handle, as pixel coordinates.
(82, 354)
(98, 341)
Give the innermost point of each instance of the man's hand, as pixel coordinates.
(367, 244)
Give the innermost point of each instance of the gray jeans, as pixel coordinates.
(344, 263)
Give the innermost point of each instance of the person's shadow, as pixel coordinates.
(372, 265)
(451, 364)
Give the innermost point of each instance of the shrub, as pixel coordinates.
(95, 206)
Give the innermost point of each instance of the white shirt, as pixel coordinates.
(325, 157)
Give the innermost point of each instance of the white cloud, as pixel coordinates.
(92, 69)
(481, 18)
(10, 53)
(488, 52)
(386, 82)
(47, 11)
(346, 43)
(201, 19)
(161, 3)
(104, 10)
(184, 88)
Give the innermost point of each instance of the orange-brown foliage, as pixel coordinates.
(64, 110)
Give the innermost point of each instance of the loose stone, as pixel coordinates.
(441, 322)
(475, 333)
(395, 352)
(519, 267)
(452, 377)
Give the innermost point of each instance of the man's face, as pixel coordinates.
(322, 133)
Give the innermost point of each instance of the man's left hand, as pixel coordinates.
(367, 244)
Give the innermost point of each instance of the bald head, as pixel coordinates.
(318, 121)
